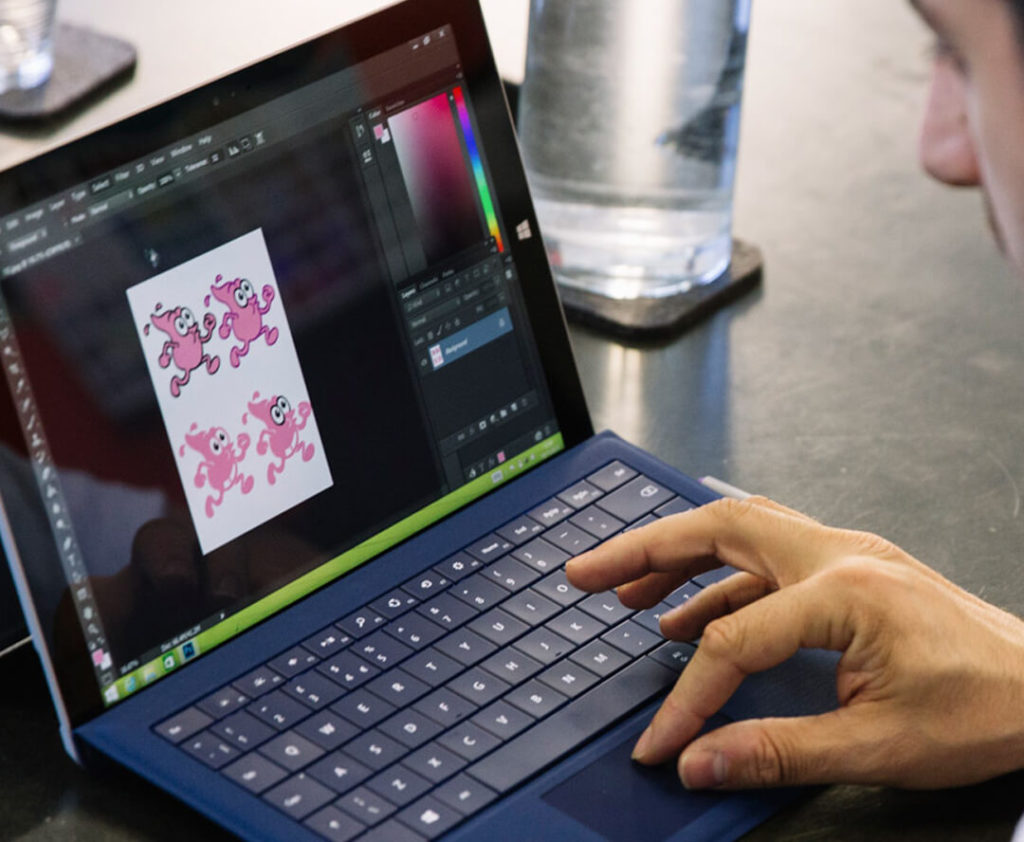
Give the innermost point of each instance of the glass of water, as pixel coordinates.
(26, 43)
(629, 123)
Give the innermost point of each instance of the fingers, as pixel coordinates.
(759, 636)
(845, 745)
(652, 588)
(752, 535)
(687, 621)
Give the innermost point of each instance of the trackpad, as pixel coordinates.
(623, 801)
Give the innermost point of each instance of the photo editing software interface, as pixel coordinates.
(248, 361)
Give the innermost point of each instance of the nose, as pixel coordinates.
(946, 146)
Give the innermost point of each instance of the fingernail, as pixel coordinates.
(702, 769)
(642, 745)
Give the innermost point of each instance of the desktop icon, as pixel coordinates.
(169, 662)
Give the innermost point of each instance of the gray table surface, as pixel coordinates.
(874, 381)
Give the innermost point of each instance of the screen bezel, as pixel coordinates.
(266, 79)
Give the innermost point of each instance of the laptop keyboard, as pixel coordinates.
(411, 714)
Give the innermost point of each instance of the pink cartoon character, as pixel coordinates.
(245, 314)
(220, 460)
(281, 436)
(185, 344)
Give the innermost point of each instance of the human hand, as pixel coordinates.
(931, 678)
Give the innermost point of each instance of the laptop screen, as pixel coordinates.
(256, 337)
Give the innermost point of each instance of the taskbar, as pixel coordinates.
(189, 645)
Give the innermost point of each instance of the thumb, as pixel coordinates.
(796, 751)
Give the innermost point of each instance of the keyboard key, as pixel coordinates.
(556, 587)
(503, 720)
(327, 729)
(299, 796)
(398, 687)
(489, 548)
(278, 710)
(479, 591)
(576, 626)
(374, 750)
(381, 650)
(530, 607)
(255, 773)
(366, 806)
(478, 687)
(521, 530)
(445, 707)
(552, 512)
(261, 680)
(348, 670)
(292, 662)
(674, 507)
(414, 630)
(391, 831)
(600, 657)
(635, 499)
(411, 728)
(598, 523)
(429, 817)
(434, 762)
(568, 678)
(651, 618)
(210, 749)
(511, 666)
(646, 519)
(339, 772)
(363, 709)
(541, 556)
(498, 627)
(291, 751)
(431, 667)
(674, 655)
(681, 595)
(243, 730)
(580, 494)
(183, 725)
(544, 645)
(570, 539)
(398, 785)
(511, 574)
(334, 825)
(458, 566)
(327, 642)
(465, 795)
(632, 638)
(536, 699)
(313, 690)
(468, 741)
(360, 623)
(447, 611)
(393, 604)
(611, 476)
(465, 646)
(606, 608)
(222, 702)
(549, 740)
(426, 584)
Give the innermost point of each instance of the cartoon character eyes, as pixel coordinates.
(244, 292)
(218, 441)
(278, 410)
(185, 321)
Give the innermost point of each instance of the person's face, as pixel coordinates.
(973, 129)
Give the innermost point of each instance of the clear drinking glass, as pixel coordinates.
(26, 43)
(629, 122)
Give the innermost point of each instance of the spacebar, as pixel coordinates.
(565, 729)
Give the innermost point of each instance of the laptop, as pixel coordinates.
(299, 452)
